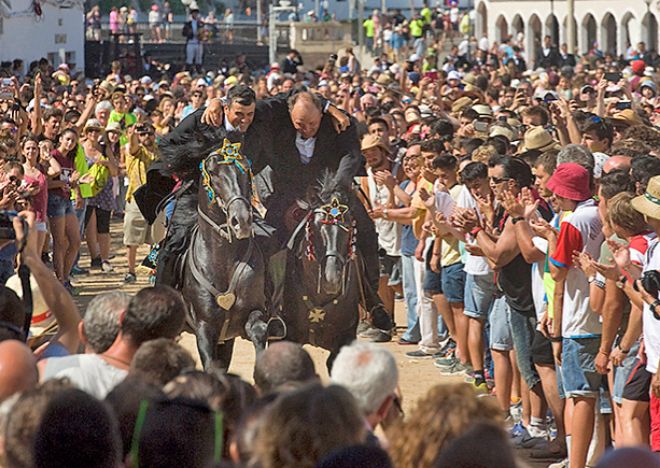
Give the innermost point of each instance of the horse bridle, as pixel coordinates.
(310, 251)
(224, 229)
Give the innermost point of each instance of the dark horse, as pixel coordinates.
(223, 270)
(322, 292)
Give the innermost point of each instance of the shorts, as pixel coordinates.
(542, 350)
(578, 368)
(479, 296)
(390, 267)
(453, 283)
(432, 283)
(500, 327)
(638, 385)
(136, 229)
(41, 226)
(59, 206)
(623, 372)
(102, 219)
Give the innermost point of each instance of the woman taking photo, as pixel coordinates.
(37, 170)
(61, 214)
(103, 167)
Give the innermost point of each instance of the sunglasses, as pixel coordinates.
(499, 180)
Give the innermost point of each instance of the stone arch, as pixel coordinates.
(517, 25)
(481, 20)
(552, 28)
(564, 31)
(501, 28)
(534, 36)
(588, 32)
(626, 39)
(650, 31)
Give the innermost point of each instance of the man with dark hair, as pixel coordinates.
(536, 116)
(159, 361)
(283, 363)
(547, 55)
(642, 169)
(544, 167)
(598, 135)
(77, 430)
(156, 312)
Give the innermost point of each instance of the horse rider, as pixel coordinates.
(301, 145)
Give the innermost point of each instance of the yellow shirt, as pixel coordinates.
(419, 205)
(136, 169)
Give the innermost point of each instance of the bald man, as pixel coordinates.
(617, 163)
(283, 363)
(18, 368)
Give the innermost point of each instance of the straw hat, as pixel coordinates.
(649, 203)
(113, 127)
(628, 117)
(372, 141)
(42, 317)
(460, 104)
(93, 124)
(538, 138)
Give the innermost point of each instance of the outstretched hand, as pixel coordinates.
(213, 113)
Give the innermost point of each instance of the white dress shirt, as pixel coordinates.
(305, 148)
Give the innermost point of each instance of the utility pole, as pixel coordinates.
(360, 27)
(570, 26)
(260, 20)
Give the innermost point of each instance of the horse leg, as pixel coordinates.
(255, 329)
(342, 341)
(207, 336)
(223, 353)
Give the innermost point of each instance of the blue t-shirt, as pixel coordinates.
(408, 240)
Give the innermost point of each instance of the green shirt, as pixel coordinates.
(426, 14)
(80, 165)
(125, 121)
(416, 28)
(369, 27)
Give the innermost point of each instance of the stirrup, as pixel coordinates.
(278, 325)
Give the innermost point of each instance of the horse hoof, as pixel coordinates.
(381, 319)
(275, 329)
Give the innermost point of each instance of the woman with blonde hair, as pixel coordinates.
(444, 414)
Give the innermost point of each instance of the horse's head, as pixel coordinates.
(227, 179)
(330, 235)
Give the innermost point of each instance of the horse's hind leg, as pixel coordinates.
(207, 338)
(255, 329)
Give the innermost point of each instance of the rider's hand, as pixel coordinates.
(339, 119)
(213, 113)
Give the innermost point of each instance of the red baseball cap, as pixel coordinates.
(570, 180)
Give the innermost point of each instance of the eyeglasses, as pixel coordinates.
(499, 180)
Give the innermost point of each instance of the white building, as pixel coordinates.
(613, 24)
(58, 33)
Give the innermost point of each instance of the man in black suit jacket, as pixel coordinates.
(302, 148)
(566, 59)
(547, 56)
(194, 48)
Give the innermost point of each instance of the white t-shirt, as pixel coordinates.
(650, 324)
(579, 231)
(88, 372)
(473, 265)
(538, 288)
(389, 232)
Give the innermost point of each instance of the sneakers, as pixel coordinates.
(71, 288)
(106, 267)
(77, 271)
(446, 361)
(96, 262)
(130, 278)
(457, 368)
(517, 430)
(403, 342)
(480, 386)
(380, 318)
(419, 354)
(560, 464)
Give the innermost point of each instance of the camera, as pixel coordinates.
(651, 282)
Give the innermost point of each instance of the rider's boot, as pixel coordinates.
(276, 268)
(380, 318)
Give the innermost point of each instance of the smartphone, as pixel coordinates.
(623, 105)
(613, 77)
(7, 82)
(481, 127)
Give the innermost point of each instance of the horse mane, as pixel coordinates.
(328, 186)
(183, 158)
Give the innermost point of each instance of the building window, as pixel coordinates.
(1, 25)
(60, 38)
(60, 22)
(53, 58)
(70, 58)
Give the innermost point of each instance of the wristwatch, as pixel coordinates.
(621, 283)
(385, 213)
(517, 219)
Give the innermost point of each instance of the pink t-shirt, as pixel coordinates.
(40, 200)
(114, 21)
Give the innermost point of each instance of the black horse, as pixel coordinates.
(223, 270)
(322, 295)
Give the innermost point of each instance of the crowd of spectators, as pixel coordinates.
(517, 208)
